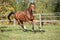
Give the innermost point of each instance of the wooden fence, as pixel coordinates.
(39, 20)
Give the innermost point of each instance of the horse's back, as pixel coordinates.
(20, 15)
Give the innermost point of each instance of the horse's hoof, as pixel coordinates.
(25, 30)
(2, 30)
(41, 30)
(32, 30)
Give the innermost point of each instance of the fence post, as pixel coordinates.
(14, 22)
(40, 20)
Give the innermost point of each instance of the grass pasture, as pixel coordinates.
(52, 32)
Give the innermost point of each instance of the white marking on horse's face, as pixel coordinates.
(32, 7)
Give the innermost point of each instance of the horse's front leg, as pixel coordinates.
(23, 26)
(32, 24)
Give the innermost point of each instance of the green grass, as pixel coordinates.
(52, 32)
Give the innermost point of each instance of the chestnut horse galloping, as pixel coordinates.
(24, 16)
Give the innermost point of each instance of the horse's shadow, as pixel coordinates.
(5, 29)
(2, 30)
(35, 31)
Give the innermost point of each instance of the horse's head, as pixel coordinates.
(32, 6)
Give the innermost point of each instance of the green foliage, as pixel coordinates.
(6, 6)
(42, 6)
(45, 6)
(12, 5)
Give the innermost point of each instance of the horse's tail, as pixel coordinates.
(10, 15)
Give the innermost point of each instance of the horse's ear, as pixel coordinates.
(32, 3)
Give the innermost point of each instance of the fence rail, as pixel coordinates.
(47, 20)
(40, 19)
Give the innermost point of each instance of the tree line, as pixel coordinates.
(42, 6)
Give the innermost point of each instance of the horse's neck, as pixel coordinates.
(29, 11)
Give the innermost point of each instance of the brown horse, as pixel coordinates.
(24, 16)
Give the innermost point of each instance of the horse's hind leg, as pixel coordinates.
(22, 25)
